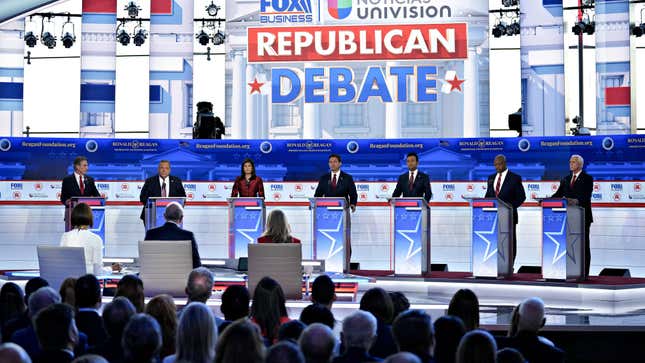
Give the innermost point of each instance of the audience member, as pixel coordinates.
(414, 333)
(199, 286)
(116, 315)
(448, 331)
(171, 231)
(12, 302)
(268, 309)
(196, 335)
(509, 355)
(235, 304)
(284, 352)
(291, 330)
(57, 334)
(163, 309)
(13, 353)
(378, 302)
(403, 357)
(67, 291)
(241, 342)
(90, 358)
(400, 303)
(317, 343)
(88, 300)
(316, 313)
(131, 287)
(323, 291)
(141, 340)
(358, 335)
(477, 346)
(465, 306)
(23, 320)
(277, 229)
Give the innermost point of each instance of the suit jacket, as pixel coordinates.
(254, 189)
(91, 323)
(356, 355)
(420, 189)
(582, 189)
(171, 232)
(54, 356)
(511, 192)
(345, 187)
(384, 346)
(533, 350)
(28, 340)
(70, 188)
(152, 188)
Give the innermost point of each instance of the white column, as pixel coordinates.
(310, 120)
(393, 111)
(239, 97)
(252, 102)
(263, 113)
(471, 94)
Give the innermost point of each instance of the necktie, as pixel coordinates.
(498, 186)
(333, 182)
(573, 181)
(411, 181)
(163, 189)
(81, 185)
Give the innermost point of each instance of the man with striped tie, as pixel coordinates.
(507, 186)
(161, 185)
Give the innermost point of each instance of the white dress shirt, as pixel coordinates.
(93, 248)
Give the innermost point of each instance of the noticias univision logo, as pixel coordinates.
(339, 9)
(286, 11)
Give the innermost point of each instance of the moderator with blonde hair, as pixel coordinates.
(277, 229)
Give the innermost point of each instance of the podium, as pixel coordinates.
(331, 232)
(246, 219)
(155, 208)
(98, 213)
(563, 238)
(492, 238)
(410, 235)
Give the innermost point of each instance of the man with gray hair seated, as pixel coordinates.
(317, 343)
(13, 353)
(358, 335)
(171, 231)
(199, 286)
(403, 357)
(530, 319)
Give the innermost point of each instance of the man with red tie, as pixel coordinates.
(337, 183)
(507, 186)
(414, 183)
(579, 186)
(78, 184)
(161, 185)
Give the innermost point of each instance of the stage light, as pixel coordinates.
(579, 28)
(30, 39)
(123, 37)
(219, 38)
(133, 9)
(509, 3)
(203, 38)
(590, 27)
(68, 38)
(140, 37)
(499, 30)
(638, 30)
(48, 39)
(212, 9)
(515, 28)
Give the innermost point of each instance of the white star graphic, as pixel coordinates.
(403, 232)
(481, 234)
(325, 233)
(100, 226)
(244, 230)
(557, 255)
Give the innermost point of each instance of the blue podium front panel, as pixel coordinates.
(554, 239)
(484, 238)
(330, 233)
(160, 207)
(246, 224)
(410, 233)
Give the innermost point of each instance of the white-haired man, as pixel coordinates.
(579, 185)
(358, 335)
(170, 231)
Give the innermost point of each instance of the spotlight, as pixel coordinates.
(68, 40)
(584, 26)
(579, 28)
(219, 38)
(499, 30)
(509, 3)
(637, 30)
(140, 37)
(515, 27)
(202, 37)
(590, 27)
(212, 9)
(30, 39)
(133, 9)
(48, 39)
(123, 37)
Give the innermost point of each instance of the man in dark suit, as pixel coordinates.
(57, 334)
(507, 186)
(171, 231)
(337, 183)
(88, 301)
(78, 184)
(161, 185)
(579, 186)
(414, 183)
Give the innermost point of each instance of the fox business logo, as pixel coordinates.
(16, 186)
(363, 187)
(277, 187)
(285, 11)
(533, 187)
(448, 188)
(103, 186)
(616, 187)
(190, 186)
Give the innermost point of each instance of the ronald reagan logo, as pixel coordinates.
(286, 11)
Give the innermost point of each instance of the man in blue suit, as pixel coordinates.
(507, 186)
(170, 231)
(337, 183)
(414, 183)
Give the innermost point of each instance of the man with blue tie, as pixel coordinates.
(337, 183)
(507, 186)
(161, 185)
(414, 183)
